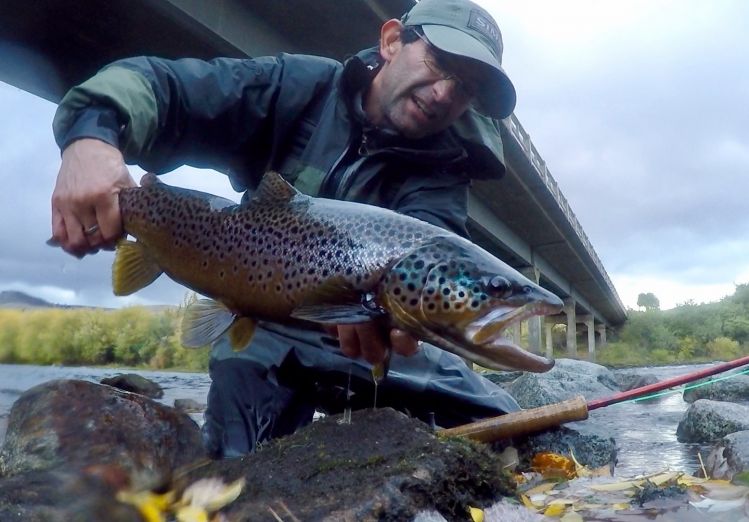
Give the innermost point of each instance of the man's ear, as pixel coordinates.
(390, 39)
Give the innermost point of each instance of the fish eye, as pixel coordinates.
(499, 285)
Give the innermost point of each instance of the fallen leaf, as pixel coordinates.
(477, 515)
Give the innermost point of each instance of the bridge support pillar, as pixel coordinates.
(589, 322)
(601, 329)
(534, 323)
(569, 311)
(549, 347)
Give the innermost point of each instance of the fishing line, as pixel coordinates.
(681, 389)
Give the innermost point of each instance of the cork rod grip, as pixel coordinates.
(521, 422)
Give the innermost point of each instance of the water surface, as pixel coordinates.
(645, 432)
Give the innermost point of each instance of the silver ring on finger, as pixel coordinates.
(90, 231)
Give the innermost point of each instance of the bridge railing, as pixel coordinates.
(524, 139)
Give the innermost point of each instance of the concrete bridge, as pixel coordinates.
(47, 46)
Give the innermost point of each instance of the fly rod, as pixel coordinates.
(575, 409)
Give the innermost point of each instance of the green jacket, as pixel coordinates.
(299, 115)
(302, 116)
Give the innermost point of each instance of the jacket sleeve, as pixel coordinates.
(226, 114)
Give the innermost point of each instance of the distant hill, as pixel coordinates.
(15, 299)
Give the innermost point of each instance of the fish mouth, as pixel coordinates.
(490, 328)
(504, 355)
(490, 348)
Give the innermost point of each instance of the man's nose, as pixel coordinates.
(445, 91)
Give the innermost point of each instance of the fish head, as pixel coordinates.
(458, 296)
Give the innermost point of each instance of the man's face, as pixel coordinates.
(421, 91)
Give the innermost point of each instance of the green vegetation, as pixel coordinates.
(133, 336)
(136, 336)
(688, 333)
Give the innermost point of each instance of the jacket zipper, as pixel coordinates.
(346, 178)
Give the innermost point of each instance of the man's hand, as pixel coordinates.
(368, 340)
(85, 206)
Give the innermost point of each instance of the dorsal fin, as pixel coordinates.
(149, 178)
(273, 190)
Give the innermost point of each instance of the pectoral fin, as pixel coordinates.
(133, 268)
(336, 302)
(204, 321)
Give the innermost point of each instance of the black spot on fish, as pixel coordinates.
(414, 302)
(474, 304)
(445, 291)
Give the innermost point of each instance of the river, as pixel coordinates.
(645, 432)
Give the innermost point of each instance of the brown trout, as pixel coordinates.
(283, 256)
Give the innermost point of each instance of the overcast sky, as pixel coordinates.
(639, 109)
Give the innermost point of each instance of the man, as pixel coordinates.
(396, 126)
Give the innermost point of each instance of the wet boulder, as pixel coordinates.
(735, 389)
(729, 456)
(631, 379)
(707, 421)
(189, 405)
(502, 379)
(382, 465)
(590, 446)
(569, 378)
(135, 383)
(61, 496)
(72, 424)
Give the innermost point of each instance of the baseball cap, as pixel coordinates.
(465, 29)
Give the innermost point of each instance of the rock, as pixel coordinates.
(591, 449)
(72, 424)
(501, 378)
(629, 380)
(735, 389)
(189, 405)
(61, 496)
(135, 383)
(729, 457)
(566, 380)
(707, 421)
(382, 466)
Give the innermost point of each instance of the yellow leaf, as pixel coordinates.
(211, 493)
(555, 510)
(527, 501)
(151, 505)
(620, 506)
(665, 477)
(541, 488)
(191, 514)
(477, 515)
(553, 465)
